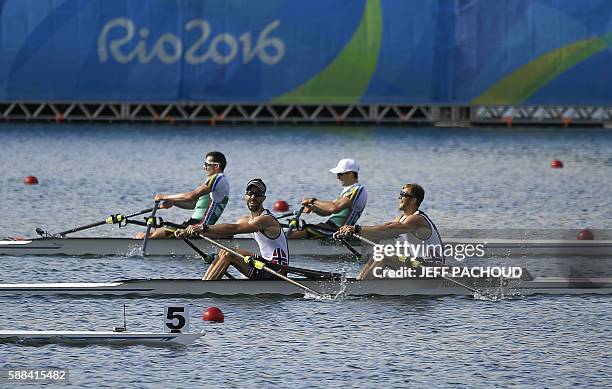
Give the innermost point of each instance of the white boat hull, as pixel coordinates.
(316, 248)
(100, 337)
(350, 287)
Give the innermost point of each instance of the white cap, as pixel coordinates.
(345, 165)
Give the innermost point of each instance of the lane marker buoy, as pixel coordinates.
(30, 180)
(280, 206)
(585, 234)
(556, 164)
(213, 314)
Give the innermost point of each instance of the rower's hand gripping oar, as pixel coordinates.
(117, 218)
(323, 275)
(293, 223)
(259, 265)
(473, 290)
(150, 222)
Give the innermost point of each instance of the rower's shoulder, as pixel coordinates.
(416, 219)
(243, 219)
(263, 218)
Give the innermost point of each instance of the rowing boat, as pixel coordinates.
(348, 287)
(316, 248)
(158, 247)
(99, 337)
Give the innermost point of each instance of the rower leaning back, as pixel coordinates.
(346, 209)
(212, 197)
(264, 227)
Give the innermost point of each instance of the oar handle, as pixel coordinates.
(294, 221)
(265, 268)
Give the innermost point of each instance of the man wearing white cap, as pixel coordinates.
(346, 209)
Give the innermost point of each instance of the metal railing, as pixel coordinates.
(231, 113)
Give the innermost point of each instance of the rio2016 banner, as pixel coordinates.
(520, 52)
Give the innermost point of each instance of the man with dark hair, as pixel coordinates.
(413, 226)
(208, 200)
(346, 209)
(263, 226)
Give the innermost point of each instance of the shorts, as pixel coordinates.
(257, 274)
(320, 230)
(260, 274)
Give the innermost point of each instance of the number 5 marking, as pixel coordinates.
(176, 319)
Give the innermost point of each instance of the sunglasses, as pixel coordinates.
(210, 164)
(405, 194)
(250, 193)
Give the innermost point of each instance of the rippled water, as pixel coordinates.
(475, 178)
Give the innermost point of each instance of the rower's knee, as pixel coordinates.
(222, 255)
(155, 234)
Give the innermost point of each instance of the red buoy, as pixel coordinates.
(213, 314)
(30, 180)
(280, 206)
(556, 164)
(585, 234)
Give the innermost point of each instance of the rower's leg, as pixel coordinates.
(295, 234)
(367, 272)
(158, 233)
(314, 231)
(220, 265)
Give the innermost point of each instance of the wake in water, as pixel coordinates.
(497, 293)
(338, 295)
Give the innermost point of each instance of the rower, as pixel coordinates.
(264, 227)
(344, 210)
(413, 226)
(211, 196)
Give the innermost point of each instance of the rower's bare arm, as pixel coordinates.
(243, 226)
(326, 208)
(185, 204)
(393, 229)
(185, 197)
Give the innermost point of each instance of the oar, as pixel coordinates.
(117, 218)
(473, 290)
(303, 272)
(203, 254)
(284, 215)
(293, 223)
(259, 265)
(346, 244)
(150, 222)
(289, 269)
